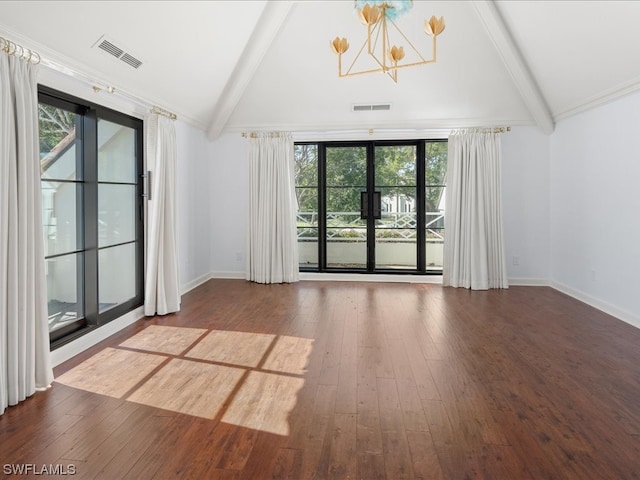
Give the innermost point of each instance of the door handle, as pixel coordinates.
(377, 205)
(364, 206)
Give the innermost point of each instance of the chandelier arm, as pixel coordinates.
(372, 52)
(385, 40)
(434, 48)
(409, 41)
(352, 63)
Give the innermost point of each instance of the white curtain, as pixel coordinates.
(474, 254)
(162, 283)
(272, 243)
(25, 363)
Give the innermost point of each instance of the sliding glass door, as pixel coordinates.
(91, 162)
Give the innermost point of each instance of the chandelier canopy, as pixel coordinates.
(379, 16)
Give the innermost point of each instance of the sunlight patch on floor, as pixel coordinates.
(247, 379)
(163, 339)
(289, 355)
(264, 402)
(111, 372)
(193, 388)
(238, 348)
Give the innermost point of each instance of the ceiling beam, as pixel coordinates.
(515, 64)
(268, 26)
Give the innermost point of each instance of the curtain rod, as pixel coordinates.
(269, 134)
(26, 54)
(166, 113)
(493, 130)
(480, 130)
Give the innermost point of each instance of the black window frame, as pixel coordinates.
(421, 261)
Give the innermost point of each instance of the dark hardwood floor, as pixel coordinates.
(347, 381)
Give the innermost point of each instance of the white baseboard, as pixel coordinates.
(196, 282)
(364, 277)
(71, 349)
(605, 307)
(528, 282)
(232, 275)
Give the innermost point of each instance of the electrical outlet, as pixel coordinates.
(238, 256)
(516, 260)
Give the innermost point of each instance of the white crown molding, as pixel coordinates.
(269, 24)
(515, 63)
(601, 98)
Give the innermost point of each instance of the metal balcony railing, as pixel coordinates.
(349, 227)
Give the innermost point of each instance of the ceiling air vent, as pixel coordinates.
(110, 47)
(133, 61)
(372, 108)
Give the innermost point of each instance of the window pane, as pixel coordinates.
(307, 205)
(346, 251)
(57, 143)
(306, 165)
(434, 208)
(395, 165)
(116, 214)
(64, 290)
(308, 246)
(346, 166)
(396, 248)
(116, 153)
(435, 180)
(435, 248)
(435, 163)
(307, 223)
(60, 216)
(116, 275)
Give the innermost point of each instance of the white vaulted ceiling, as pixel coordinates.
(232, 65)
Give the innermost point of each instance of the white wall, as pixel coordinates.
(194, 205)
(229, 186)
(595, 200)
(526, 204)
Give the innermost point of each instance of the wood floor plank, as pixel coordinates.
(347, 391)
(371, 466)
(342, 460)
(397, 459)
(288, 464)
(346, 380)
(112, 372)
(424, 456)
(141, 440)
(164, 339)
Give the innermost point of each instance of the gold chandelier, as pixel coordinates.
(378, 17)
